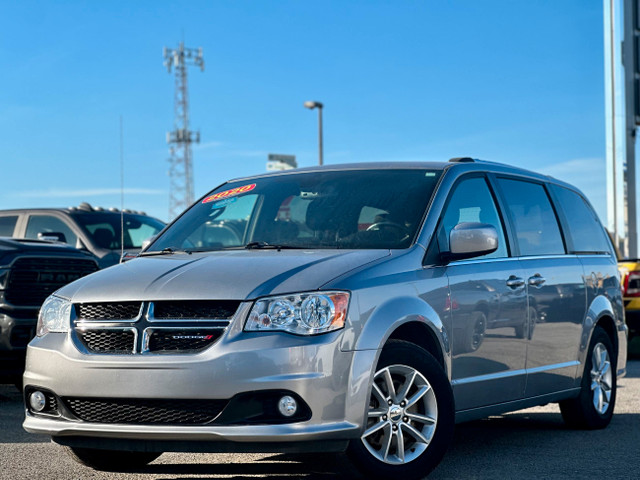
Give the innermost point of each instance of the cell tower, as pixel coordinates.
(181, 138)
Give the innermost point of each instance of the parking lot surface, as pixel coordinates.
(527, 444)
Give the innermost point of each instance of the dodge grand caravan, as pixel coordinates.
(363, 308)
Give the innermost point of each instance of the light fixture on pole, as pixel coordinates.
(311, 105)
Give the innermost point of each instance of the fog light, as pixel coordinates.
(38, 401)
(287, 406)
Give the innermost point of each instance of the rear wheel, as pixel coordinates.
(111, 460)
(410, 415)
(593, 408)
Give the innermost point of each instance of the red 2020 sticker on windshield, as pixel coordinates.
(229, 193)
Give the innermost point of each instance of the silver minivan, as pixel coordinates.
(363, 308)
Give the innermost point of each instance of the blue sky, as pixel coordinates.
(519, 82)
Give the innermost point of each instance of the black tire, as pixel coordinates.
(111, 460)
(581, 412)
(401, 356)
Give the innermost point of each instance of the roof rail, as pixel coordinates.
(461, 160)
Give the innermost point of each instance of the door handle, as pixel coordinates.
(515, 282)
(537, 280)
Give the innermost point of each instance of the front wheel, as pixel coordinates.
(410, 415)
(593, 408)
(111, 460)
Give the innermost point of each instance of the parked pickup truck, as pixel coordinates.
(93, 229)
(31, 270)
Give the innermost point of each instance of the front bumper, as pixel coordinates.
(333, 383)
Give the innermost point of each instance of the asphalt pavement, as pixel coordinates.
(528, 444)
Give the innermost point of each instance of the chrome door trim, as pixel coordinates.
(496, 376)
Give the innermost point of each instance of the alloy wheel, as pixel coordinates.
(601, 378)
(402, 415)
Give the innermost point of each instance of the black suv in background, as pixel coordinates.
(84, 227)
(30, 271)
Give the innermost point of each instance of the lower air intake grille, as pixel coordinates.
(182, 341)
(145, 411)
(108, 341)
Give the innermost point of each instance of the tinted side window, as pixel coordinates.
(7, 225)
(586, 231)
(46, 223)
(535, 221)
(471, 201)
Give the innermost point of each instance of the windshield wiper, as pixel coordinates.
(164, 251)
(261, 245)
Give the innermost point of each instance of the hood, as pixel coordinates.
(30, 245)
(11, 248)
(224, 275)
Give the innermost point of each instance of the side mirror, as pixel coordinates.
(52, 237)
(468, 240)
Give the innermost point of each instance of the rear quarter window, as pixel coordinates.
(586, 232)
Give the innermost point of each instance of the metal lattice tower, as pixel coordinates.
(181, 138)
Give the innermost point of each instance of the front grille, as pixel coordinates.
(182, 341)
(145, 411)
(108, 341)
(108, 311)
(197, 309)
(33, 279)
(152, 327)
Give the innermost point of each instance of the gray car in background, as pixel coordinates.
(363, 308)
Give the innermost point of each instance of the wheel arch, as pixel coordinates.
(406, 318)
(609, 326)
(411, 319)
(423, 336)
(600, 313)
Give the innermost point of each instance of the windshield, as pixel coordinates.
(355, 209)
(104, 228)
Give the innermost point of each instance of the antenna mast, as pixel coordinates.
(181, 138)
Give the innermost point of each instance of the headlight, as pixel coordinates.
(54, 316)
(301, 314)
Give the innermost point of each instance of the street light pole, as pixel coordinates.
(311, 105)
